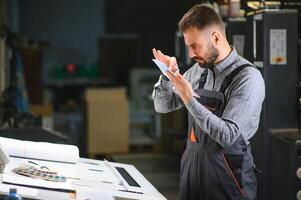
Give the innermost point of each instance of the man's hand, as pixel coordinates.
(171, 62)
(182, 86)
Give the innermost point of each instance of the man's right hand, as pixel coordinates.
(171, 62)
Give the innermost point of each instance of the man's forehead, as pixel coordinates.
(193, 35)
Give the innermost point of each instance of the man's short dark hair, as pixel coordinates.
(200, 17)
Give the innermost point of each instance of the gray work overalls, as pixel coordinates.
(209, 171)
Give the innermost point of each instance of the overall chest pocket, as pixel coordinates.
(212, 100)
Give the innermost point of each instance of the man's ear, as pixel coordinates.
(216, 36)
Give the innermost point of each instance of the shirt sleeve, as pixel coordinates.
(243, 106)
(165, 99)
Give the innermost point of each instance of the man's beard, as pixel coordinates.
(209, 58)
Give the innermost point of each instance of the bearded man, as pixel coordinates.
(223, 94)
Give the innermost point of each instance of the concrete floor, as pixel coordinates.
(161, 170)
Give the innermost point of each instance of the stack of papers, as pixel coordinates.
(59, 158)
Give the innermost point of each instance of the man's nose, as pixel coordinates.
(191, 53)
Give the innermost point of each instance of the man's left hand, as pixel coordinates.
(182, 86)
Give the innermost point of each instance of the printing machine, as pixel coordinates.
(272, 37)
(92, 179)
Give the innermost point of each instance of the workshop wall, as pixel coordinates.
(64, 24)
(155, 22)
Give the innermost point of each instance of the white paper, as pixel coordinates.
(27, 181)
(64, 169)
(278, 52)
(40, 150)
(162, 66)
(67, 170)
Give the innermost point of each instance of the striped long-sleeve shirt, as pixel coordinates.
(244, 99)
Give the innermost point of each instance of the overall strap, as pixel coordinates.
(229, 78)
(203, 79)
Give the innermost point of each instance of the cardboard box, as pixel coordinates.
(107, 120)
(42, 109)
(46, 112)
